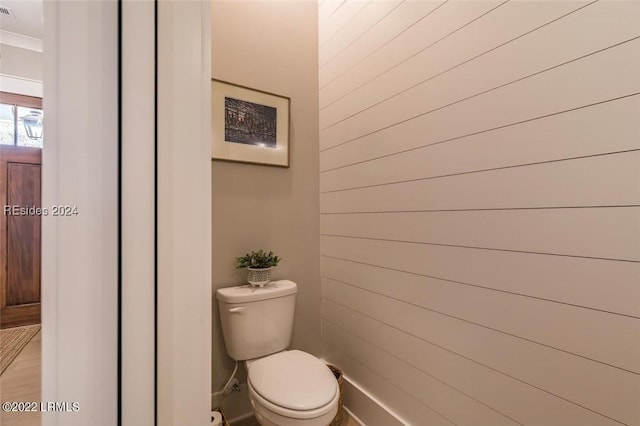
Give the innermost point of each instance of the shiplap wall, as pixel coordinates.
(480, 208)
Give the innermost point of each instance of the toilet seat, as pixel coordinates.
(293, 384)
(264, 404)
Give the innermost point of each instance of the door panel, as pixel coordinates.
(23, 235)
(20, 192)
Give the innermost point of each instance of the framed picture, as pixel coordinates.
(249, 125)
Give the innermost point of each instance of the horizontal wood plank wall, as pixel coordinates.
(480, 208)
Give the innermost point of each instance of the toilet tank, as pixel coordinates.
(257, 321)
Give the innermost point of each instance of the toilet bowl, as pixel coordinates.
(292, 388)
(286, 387)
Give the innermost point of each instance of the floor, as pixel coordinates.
(21, 382)
(347, 421)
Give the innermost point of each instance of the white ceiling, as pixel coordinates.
(28, 18)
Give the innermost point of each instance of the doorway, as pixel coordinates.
(21, 141)
(20, 198)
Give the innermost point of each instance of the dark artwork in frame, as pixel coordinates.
(249, 123)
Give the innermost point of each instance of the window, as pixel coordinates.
(21, 119)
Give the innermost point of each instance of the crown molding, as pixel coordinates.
(20, 40)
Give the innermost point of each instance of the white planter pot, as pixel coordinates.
(258, 277)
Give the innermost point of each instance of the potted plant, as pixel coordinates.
(259, 264)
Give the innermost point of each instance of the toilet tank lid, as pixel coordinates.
(246, 293)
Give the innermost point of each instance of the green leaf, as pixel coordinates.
(257, 259)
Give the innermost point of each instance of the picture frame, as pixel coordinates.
(249, 125)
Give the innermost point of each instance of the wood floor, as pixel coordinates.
(21, 382)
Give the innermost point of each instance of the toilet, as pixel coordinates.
(286, 387)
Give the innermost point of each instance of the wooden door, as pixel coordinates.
(20, 179)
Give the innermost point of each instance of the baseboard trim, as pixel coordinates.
(366, 409)
(354, 417)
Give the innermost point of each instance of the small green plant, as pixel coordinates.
(257, 259)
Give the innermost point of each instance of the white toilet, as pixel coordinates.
(286, 388)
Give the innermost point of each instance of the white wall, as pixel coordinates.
(480, 196)
(138, 227)
(79, 253)
(21, 69)
(19, 62)
(184, 213)
(270, 46)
